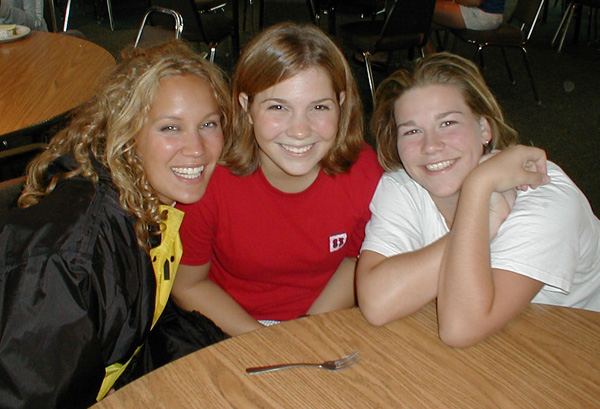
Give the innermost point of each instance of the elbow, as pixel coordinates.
(375, 309)
(459, 334)
(374, 316)
(454, 340)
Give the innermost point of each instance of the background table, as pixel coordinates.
(549, 357)
(44, 75)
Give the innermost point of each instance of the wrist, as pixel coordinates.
(477, 183)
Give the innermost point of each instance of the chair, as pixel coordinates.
(68, 12)
(363, 8)
(526, 14)
(568, 16)
(176, 16)
(203, 25)
(406, 26)
(10, 190)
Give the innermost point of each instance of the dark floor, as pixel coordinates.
(566, 124)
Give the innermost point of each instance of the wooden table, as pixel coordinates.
(44, 75)
(549, 357)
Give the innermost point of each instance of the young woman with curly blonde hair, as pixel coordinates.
(88, 260)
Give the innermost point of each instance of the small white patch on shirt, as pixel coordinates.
(337, 241)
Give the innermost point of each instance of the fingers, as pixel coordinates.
(520, 167)
(535, 165)
(534, 159)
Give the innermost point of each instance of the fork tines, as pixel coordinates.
(348, 360)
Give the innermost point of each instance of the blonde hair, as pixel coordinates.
(105, 128)
(279, 53)
(438, 69)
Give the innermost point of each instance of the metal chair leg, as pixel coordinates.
(570, 13)
(53, 15)
(110, 15)
(528, 68)
(367, 58)
(563, 20)
(479, 53)
(67, 13)
(251, 4)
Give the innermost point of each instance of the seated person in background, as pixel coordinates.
(448, 222)
(278, 238)
(28, 13)
(470, 14)
(78, 290)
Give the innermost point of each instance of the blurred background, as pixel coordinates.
(566, 123)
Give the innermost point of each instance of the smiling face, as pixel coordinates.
(440, 140)
(182, 139)
(295, 124)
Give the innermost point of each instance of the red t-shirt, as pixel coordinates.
(274, 252)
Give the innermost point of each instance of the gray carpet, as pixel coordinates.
(566, 124)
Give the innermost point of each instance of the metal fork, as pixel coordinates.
(343, 362)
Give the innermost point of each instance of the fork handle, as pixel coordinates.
(260, 369)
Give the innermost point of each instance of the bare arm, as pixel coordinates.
(395, 287)
(193, 291)
(474, 300)
(338, 294)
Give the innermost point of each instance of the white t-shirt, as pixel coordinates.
(551, 234)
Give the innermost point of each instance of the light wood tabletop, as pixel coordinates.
(549, 357)
(44, 75)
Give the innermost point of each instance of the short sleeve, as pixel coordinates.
(544, 235)
(363, 180)
(403, 217)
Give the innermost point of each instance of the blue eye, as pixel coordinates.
(276, 107)
(210, 124)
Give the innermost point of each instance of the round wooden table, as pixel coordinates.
(549, 357)
(44, 75)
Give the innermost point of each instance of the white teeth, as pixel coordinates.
(298, 150)
(439, 165)
(188, 173)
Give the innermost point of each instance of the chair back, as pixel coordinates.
(10, 190)
(178, 28)
(194, 29)
(407, 17)
(527, 12)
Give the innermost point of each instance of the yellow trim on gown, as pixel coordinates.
(165, 261)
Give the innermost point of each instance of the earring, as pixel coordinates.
(486, 143)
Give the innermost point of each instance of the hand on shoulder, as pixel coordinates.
(521, 167)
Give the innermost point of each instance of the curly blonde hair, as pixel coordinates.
(105, 128)
(438, 69)
(279, 53)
